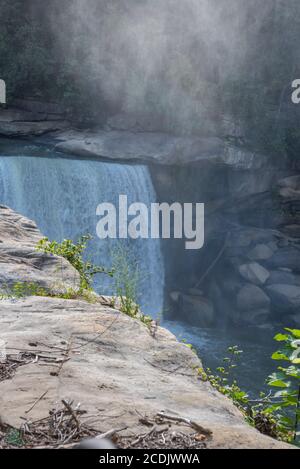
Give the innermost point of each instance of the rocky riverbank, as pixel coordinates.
(122, 374)
(248, 274)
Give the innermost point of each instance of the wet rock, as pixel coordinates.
(292, 230)
(231, 284)
(283, 277)
(175, 295)
(260, 252)
(291, 182)
(247, 236)
(18, 123)
(284, 298)
(248, 182)
(254, 273)
(256, 317)
(251, 298)
(197, 310)
(288, 257)
(288, 193)
(152, 147)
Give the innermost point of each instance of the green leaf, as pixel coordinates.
(287, 421)
(294, 332)
(292, 371)
(278, 380)
(278, 383)
(279, 356)
(281, 337)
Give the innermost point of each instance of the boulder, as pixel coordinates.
(251, 297)
(288, 257)
(256, 317)
(288, 193)
(283, 277)
(20, 262)
(254, 273)
(260, 252)
(291, 182)
(197, 310)
(284, 297)
(292, 230)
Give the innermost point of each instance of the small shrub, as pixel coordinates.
(285, 402)
(73, 252)
(275, 414)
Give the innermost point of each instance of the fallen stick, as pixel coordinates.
(73, 415)
(188, 422)
(37, 401)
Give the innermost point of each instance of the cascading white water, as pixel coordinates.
(61, 195)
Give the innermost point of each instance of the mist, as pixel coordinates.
(168, 63)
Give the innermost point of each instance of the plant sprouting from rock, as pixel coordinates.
(74, 252)
(126, 280)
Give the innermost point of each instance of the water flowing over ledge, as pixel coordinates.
(62, 196)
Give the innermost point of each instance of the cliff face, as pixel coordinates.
(55, 349)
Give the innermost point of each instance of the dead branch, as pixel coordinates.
(186, 421)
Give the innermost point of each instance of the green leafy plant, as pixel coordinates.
(285, 402)
(14, 438)
(73, 252)
(276, 414)
(224, 381)
(24, 289)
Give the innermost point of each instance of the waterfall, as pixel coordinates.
(61, 195)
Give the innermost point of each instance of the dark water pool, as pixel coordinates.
(255, 363)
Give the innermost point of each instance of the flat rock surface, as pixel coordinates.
(157, 148)
(144, 146)
(114, 368)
